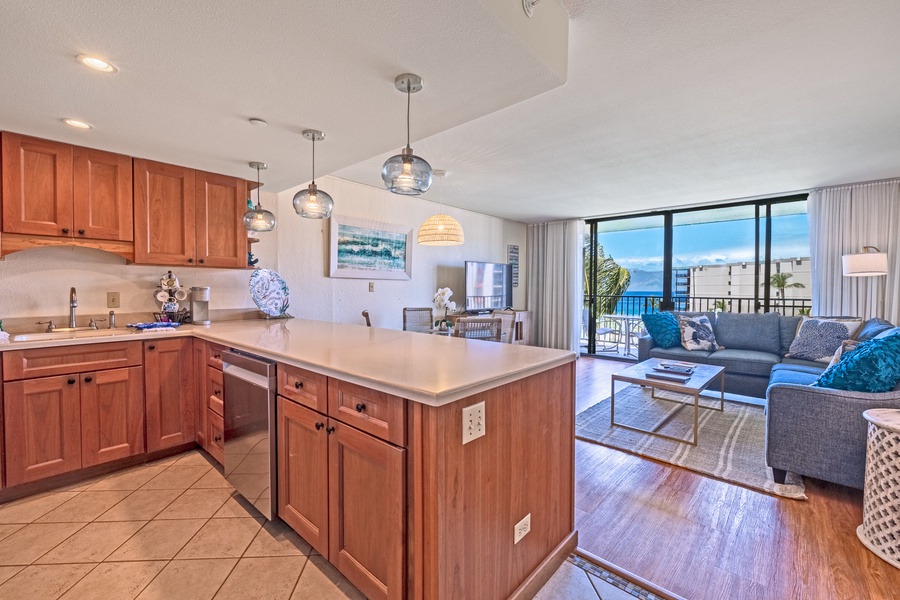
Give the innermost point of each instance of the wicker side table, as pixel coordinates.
(880, 529)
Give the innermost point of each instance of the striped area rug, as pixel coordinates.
(730, 446)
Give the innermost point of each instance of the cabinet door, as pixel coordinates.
(37, 186)
(112, 415)
(102, 190)
(221, 240)
(200, 394)
(366, 523)
(163, 214)
(303, 472)
(169, 393)
(43, 428)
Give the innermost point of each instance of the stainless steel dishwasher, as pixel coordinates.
(250, 452)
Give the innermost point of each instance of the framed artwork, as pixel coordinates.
(512, 252)
(370, 250)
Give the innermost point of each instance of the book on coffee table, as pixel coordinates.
(682, 368)
(669, 376)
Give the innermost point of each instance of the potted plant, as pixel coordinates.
(442, 300)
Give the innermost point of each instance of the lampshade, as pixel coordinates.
(441, 230)
(406, 173)
(259, 219)
(865, 264)
(313, 203)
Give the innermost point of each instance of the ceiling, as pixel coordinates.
(662, 104)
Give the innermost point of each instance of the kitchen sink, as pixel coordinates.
(68, 335)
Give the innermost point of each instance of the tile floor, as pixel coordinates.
(175, 529)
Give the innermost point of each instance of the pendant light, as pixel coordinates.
(313, 203)
(406, 173)
(259, 219)
(441, 230)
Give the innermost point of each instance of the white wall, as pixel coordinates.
(303, 254)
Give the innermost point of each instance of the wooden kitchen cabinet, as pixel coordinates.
(112, 415)
(220, 236)
(163, 214)
(200, 350)
(55, 189)
(169, 393)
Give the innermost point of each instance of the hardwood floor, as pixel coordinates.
(706, 539)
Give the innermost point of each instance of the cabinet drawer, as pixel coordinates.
(216, 436)
(214, 387)
(61, 360)
(378, 413)
(305, 387)
(214, 354)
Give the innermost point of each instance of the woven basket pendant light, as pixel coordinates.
(441, 230)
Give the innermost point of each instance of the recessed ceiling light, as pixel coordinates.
(77, 124)
(98, 64)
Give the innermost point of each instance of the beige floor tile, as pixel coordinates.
(165, 462)
(79, 486)
(213, 479)
(93, 543)
(128, 480)
(43, 581)
(281, 574)
(236, 506)
(322, 581)
(608, 591)
(7, 572)
(194, 459)
(277, 539)
(221, 538)
(29, 509)
(158, 540)
(195, 504)
(193, 579)
(8, 529)
(141, 505)
(121, 581)
(568, 583)
(84, 507)
(177, 478)
(33, 541)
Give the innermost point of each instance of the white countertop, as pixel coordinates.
(431, 369)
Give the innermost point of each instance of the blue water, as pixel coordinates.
(634, 307)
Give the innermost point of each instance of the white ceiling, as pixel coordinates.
(666, 103)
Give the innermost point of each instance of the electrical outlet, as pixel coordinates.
(522, 528)
(371, 286)
(112, 299)
(472, 422)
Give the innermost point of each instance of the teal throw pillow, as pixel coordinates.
(872, 366)
(663, 328)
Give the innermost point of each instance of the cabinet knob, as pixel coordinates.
(217, 392)
(190, 260)
(217, 356)
(81, 232)
(151, 347)
(298, 384)
(71, 381)
(88, 379)
(319, 426)
(360, 407)
(329, 430)
(218, 438)
(201, 261)
(65, 230)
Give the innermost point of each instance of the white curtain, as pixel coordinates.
(556, 282)
(841, 221)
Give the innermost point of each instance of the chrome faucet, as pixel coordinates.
(73, 304)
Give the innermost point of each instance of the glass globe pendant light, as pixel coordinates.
(313, 203)
(259, 219)
(441, 230)
(406, 173)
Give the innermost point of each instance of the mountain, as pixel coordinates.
(646, 281)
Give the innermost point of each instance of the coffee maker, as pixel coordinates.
(200, 305)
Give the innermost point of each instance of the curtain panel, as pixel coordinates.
(556, 283)
(841, 221)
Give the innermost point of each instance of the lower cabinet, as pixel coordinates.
(112, 415)
(169, 393)
(344, 492)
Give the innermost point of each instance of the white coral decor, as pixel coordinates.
(442, 299)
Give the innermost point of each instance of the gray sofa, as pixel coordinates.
(751, 345)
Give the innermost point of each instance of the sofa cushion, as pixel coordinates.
(791, 376)
(663, 328)
(787, 361)
(697, 333)
(748, 362)
(679, 353)
(788, 327)
(749, 331)
(873, 367)
(888, 333)
(812, 368)
(818, 338)
(871, 328)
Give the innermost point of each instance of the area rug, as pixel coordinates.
(730, 446)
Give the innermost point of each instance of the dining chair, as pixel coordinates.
(417, 319)
(479, 328)
(507, 325)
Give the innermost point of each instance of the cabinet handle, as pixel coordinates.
(201, 261)
(329, 430)
(298, 384)
(151, 347)
(319, 426)
(217, 356)
(218, 438)
(71, 381)
(88, 379)
(190, 260)
(217, 392)
(360, 407)
(65, 230)
(81, 232)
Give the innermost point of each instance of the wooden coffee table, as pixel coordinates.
(701, 378)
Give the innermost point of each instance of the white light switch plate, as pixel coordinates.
(472, 422)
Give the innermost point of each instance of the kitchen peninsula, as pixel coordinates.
(370, 423)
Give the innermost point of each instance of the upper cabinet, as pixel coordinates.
(187, 217)
(54, 189)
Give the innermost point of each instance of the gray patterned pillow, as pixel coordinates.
(818, 339)
(697, 333)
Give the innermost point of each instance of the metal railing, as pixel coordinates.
(636, 305)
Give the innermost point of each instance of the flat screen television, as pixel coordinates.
(488, 286)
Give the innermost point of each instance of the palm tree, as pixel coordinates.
(610, 279)
(779, 281)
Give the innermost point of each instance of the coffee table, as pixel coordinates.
(701, 379)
